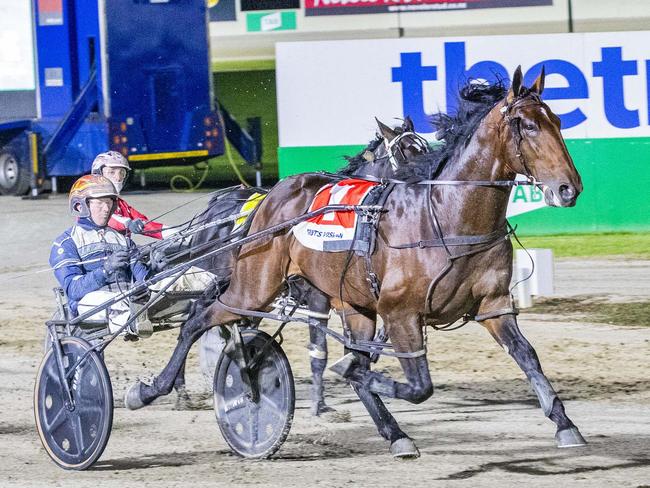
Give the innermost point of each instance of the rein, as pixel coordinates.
(530, 181)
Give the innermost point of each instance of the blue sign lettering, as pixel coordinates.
(612, 69)
(576, 87)
(412, 74)
(457, 74)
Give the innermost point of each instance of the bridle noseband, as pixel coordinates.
(393, 148)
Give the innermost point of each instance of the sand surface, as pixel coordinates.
(482, 427)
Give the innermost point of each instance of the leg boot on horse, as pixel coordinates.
(183, 400)
(316, 302)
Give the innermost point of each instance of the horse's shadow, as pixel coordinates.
(625, 451)
(160, 460)
(543, 466)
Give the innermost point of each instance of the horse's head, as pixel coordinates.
(390, 151)
(401, 143)
(535, 146)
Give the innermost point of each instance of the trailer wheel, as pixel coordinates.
(14, 173)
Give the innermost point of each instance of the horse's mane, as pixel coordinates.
(357, 161)
(475, 101)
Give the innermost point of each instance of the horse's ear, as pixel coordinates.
(408, 124)
(388, 133)
(538, 86)
(515, 86)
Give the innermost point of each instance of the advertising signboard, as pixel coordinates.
(347, 7)
(597, 83)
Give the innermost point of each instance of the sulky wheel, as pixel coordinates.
(255, 427)
(74, 437)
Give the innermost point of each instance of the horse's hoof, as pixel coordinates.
(320, 408)
(132, 399)
(570, 437)
(183, 400)
(404, 448)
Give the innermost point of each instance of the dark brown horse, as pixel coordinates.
(442, 252)
(387, 153)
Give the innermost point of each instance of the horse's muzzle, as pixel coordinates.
(568, 195)
(562, 195)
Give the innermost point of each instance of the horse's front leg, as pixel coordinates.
(357, 371)
(505, 331)
(405, 332)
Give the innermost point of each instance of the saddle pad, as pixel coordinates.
(249, 205)
(333, 231)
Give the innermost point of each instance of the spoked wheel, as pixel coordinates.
(255, 421)
(74, 436)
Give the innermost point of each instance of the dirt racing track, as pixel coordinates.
(482, 427)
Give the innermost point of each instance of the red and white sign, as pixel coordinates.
(346, 7)
(333, 231)
(50, 12)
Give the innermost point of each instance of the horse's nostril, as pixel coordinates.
(567, 192)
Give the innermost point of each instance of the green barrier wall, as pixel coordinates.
(615, 174)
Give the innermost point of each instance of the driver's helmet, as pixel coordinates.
(89, 186)
(110, 159)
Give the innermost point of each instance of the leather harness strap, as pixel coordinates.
(505, 183)
(455, 240)
(495, 314)
(371, 347)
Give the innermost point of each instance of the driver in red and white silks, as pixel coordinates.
(115, 167)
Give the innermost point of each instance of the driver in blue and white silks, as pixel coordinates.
(92, 262)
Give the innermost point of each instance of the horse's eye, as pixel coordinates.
(530, 126)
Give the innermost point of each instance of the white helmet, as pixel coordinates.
(111, 159)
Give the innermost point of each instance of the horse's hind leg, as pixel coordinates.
(505, 331)
(316, 302)
(256, 281)
(183, 400)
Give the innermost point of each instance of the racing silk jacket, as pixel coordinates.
(77, 259)
(125, 212)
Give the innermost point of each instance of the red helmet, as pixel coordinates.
(89, 186)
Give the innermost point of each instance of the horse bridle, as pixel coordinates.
(393, 148)
(514, 123)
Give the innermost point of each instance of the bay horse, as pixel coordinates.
(390, 150)
(433, 258)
